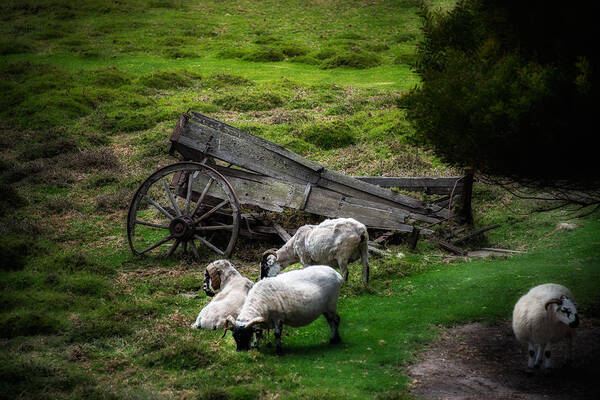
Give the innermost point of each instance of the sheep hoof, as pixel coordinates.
(279, 351)
(530, 371)
(335, 340)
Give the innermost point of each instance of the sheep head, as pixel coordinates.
(269, 266)
(212, 280)
(242, 333)
(565, 310)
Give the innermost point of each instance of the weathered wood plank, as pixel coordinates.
(275, 195)
(223, 127)
(452, 248)
(197, 139)
(283, 234)
(428, 185)
(473, 234)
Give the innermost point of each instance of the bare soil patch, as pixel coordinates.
(475, 361)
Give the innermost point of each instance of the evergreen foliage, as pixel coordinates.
(508, 87)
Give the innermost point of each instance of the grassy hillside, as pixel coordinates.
(90, 93)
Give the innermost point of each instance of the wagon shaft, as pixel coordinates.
(283, 179)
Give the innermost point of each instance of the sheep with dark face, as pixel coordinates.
(294, 298)
(545, 315)
(222, 277)
(334, 242)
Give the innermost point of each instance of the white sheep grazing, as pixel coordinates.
(294, 298)
(222, 277)
(546, 314)
(334, 242)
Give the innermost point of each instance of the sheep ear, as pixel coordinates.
(257, 320)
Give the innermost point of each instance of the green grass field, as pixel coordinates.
(90, 94)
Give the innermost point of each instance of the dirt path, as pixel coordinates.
(479, 362)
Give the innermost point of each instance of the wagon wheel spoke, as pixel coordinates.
(158, 207)
(202, 211)
(194, 249)
(188, 197)
(155, 245)
(173, 247)
(171, 199)
(137, 221)
(212, 211)
(210, 245)
(202, 196)
(215, 228)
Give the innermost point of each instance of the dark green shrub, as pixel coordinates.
(508, 92)
(328, 135)
(265, 54)
(352, 59)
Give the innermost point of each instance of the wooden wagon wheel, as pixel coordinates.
(186, 204)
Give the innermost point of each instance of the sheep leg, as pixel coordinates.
(569, 352)
(530, 356)
(278, 331)
(258, 335)
(547, 356)
(344, 268)
(364, 257)
(196, 324)
(539, 353)
(334, 322)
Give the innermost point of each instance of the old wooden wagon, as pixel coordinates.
(228, 176)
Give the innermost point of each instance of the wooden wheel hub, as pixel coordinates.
(181, 228)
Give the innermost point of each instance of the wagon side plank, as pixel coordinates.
(275, 195)
(223, 127)
(443, 185)
(196, 139)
